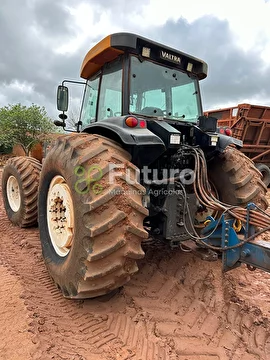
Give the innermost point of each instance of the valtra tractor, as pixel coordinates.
(145, 165)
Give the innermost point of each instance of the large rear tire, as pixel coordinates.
(237, 180)
(91, 231)
(20, 182)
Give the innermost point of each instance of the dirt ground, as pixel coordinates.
(176, 307)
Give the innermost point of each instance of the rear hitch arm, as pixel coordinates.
(234, 244)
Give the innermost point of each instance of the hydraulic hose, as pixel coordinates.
(202, 189)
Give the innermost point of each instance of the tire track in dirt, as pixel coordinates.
(191, 306)
(65, 329)
(13, 320)
(72, 329)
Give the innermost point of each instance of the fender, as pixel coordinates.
(225, 141)
(143, 145)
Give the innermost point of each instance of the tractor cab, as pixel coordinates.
(129, 75)
(143, 95)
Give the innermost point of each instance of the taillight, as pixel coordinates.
(131, 121)
(221, 131)
(228, 132)
(142, 124)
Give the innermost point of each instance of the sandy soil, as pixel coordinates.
(14, 322)
(176, 307)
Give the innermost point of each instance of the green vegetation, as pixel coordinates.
(24, 125)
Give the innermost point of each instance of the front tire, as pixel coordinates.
(20, 182)
(91, 224)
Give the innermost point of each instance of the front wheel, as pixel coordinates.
(20, 182)
(90, 215)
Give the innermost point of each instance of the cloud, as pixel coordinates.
(31, 64)
(234, 75)
(53, 19)
(28, 36)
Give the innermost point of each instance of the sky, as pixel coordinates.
(44, 42)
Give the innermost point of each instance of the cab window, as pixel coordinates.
(110, 98)
(89, 106)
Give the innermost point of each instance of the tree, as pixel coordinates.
(24, 125)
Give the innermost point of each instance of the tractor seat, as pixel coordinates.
(152, 111)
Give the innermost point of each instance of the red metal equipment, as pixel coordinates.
(251, 124)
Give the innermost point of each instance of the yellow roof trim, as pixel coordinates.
(100, 54)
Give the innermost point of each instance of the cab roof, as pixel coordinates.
(116, 44)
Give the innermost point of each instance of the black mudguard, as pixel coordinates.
(143, 145)
(225, 141)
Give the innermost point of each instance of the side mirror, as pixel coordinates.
(62, 98)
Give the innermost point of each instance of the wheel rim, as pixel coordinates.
(60, 216)
(13, 193)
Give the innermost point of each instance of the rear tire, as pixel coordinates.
(20, 182)
(90, 232)
(237, 180)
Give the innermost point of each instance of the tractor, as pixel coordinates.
(144, 165)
